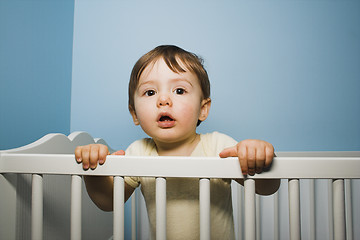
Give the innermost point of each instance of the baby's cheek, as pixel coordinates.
(190, 113)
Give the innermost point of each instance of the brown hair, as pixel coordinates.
(171, 55)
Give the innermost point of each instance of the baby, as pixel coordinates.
(169, 96)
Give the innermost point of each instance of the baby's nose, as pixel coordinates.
(164, 100)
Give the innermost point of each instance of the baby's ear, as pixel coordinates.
(133, 114)
(205, 109)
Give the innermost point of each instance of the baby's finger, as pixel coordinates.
(85, 156)
(269, 156)
(78, 154)
(260, 160)
(228, 152)
(242, 155)
(120, 152)
(94, 156)
(251, 158)
(103, 152)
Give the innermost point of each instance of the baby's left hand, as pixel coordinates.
(254, 155)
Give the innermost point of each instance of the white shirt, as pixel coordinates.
(183, 193)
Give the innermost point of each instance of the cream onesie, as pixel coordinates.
(183, 193)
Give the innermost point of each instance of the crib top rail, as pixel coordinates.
(195, 167)
(53, 154)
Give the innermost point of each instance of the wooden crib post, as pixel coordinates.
(250, 214)
(276, 216)
(312, 209)
(239, 203)
(339, 209)
(160, 208)
(133, 215)
(294, 209)
(37, 207)
(76, 184)
(330, 209)
(258, 214)
(119, 201)
(349, 210)
(204, 201)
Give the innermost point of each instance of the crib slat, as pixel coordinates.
(160, 208)
(250, 223)
(119, 199)
(294, 209)
(240, 212)
(330, 209)
(348, 199)
(204, 201)
(258, 213)
(75, 207)
(276, 215)
(339, 209)
(133, 215)
(37, 207)
(312, 209)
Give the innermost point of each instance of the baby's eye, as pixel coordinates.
(179, 91)
(150, 93)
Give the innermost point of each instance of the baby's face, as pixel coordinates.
(168, 105)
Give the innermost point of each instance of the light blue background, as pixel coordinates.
(287, 72)
(284, 71)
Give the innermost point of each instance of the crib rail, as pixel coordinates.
(53, 155)
(345, 165)
(292, 166)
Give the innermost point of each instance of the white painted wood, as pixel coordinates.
(330, 209)
(49, 144)
(160, 208)
(250, 213)
(44, 156)
(8, 202)
(57, 143)
(302, 167)
(258, 218)
(119, 201)
(239, 203)
(312, 209)
(75, 216)
(339, 209)
(276, 216)
(204, 201)
(37, 207)
(349, 210)
(133, 215)
(294, 209)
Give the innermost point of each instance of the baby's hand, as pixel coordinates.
(92, 154)
(254, 155)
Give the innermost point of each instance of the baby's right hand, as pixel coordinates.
(92, 154)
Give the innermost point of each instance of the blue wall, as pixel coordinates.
(35, 69)
(284, 71)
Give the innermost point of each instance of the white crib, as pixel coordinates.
(53, 155)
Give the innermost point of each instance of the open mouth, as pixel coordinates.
(165, 118)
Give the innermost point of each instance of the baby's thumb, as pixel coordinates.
(120, 152)
(228, 152)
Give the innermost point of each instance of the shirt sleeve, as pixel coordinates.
(216, 142)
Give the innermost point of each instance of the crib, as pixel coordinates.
(29, 165)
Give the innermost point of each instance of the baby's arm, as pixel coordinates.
(254, 156)
(99, 188)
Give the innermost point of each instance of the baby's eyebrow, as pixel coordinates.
(182, 80)
(150, 82)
